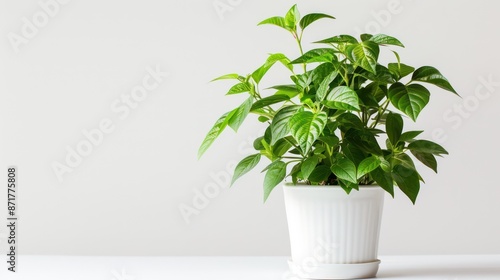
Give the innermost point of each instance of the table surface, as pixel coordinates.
(237, 268)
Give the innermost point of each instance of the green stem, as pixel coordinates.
(299, 42)
(380, 113)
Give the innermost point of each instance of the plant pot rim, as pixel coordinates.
(306, 186)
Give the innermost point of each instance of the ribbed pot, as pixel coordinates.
(333, 235)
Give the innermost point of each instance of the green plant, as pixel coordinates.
(323, 127)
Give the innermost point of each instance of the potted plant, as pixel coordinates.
(337, 131)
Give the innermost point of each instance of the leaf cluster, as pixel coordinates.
(325, 126)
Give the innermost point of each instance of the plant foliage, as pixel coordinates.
(325, 127)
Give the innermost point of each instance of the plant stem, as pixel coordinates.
(299, 42)
(380, 113)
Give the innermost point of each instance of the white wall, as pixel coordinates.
(124, 197)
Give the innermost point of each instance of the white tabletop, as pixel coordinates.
(237, 268)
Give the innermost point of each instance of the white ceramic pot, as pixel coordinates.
(333, 235)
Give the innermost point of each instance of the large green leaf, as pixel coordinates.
(427, 159)
(404, 160)
(382, 39)
(214, 132)
(274, 175)
(258, 74)
(316, 55)
(244, 166)
(239, 88)
(409, 135)
(407, 180)
(310, 18)
(431, 75)
(343, 98)
(292, 17)
(308, 166)
(279, 125)
(365, 54)
(339, 39)
(368, 165)
(270, 100)
(425, 146)
(409, 99)
(278, 21)
(229, 77)
(394, 127)
(240, 114)
(324, 86)
(281, 147)
(320, 174)
(306, 127)
(345, 169)
(383, 179)
(400, 70)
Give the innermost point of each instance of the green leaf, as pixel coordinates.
(367, 95)
(368, 165)
(240, 114)
(404, 160)
(343, 98)
(306, 127)
(339, 39)
(244, 166)
(409, 99)
(331, 141)
(407, 180)
(325, 86)
(270, 100)
(214, 132)
(425, 146)
(278, 21)
(239, 88)
(274, 175)
(290, 88)
(310, 18)
(394, 127)
(258, 74)
(308, 166)
(365, 54)
(292, 17)
(400, 70)
(409, 135)
(281, 147)
(431, 75)
(364, 140)
(345, 169)
(348, 186)
(320, 174)
(383, 179)
(427, 159)
(279, 125)
(229, 77)
(316, 55)
(382, 39)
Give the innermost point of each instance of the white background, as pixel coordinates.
(124, 197)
